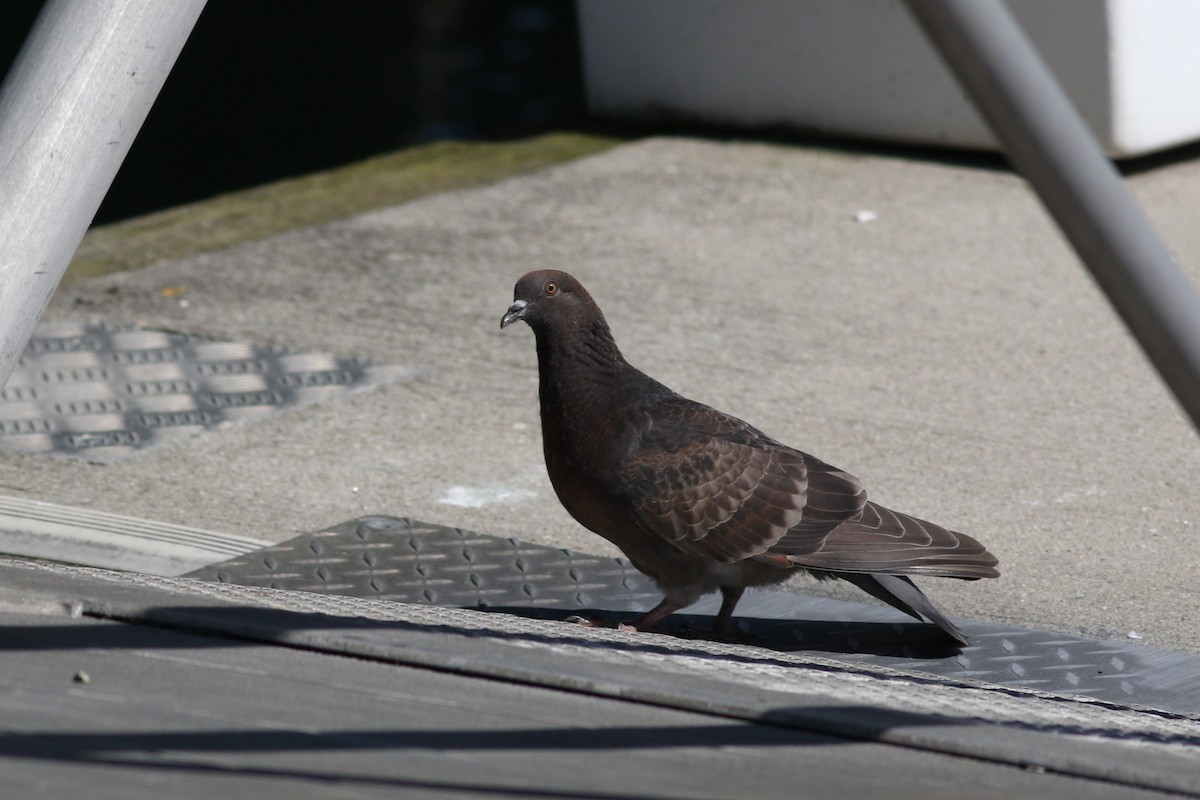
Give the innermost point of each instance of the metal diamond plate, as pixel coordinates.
(387, 558)
(104, 393)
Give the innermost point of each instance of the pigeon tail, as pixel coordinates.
(901, 593)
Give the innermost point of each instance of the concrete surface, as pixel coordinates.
(245, 691)
(946, 347)
(307, 200)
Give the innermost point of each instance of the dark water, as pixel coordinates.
(267, 89)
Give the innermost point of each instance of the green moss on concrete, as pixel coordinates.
(314, 199)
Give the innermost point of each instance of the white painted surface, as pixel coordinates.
(862, 68)
(483, 496)
(1155, 64)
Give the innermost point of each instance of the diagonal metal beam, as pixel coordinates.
(70, 108)
(1049, 144)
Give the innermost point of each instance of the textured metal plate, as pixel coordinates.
(103, 393)
(388, 558)
(35, 529)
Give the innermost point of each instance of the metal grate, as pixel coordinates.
(104, 393)
(388, 558)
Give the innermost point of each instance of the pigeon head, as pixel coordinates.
(550, 298)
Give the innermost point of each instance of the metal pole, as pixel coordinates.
(1049, 144)
(69, 110)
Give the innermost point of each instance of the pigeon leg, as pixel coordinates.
(723, 627)
(655, 615)
(643, 623)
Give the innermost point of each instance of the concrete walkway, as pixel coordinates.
(120, 686)
(950, 351)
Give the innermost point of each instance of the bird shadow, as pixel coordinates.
(913, 640)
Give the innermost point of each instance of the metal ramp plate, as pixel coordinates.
(388, 558)
(33, 529)
(104, 393)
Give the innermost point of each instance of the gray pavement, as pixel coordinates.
(947, 348)
(134, 687)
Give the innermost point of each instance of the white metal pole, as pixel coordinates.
(70, 108)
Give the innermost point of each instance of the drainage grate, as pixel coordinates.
(103, 393)
(386, 558)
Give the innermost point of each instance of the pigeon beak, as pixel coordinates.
(515, 312)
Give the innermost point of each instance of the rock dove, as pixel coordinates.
(699, 500)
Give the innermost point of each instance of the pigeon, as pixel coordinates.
(701, 501)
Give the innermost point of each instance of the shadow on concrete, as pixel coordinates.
(424, 646)
(915, 640)
(201, 752)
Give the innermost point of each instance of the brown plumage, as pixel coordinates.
(699, 500)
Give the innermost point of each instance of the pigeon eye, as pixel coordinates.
(551, 288)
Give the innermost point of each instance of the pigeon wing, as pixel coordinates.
(717, 488)
(884, 541)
